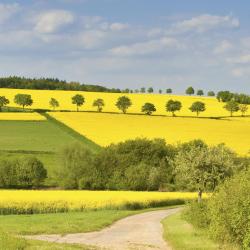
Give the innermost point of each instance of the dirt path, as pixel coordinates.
(141, 232)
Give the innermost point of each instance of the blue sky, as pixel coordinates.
(129, 43)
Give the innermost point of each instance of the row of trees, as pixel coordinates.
(143, 164)
(56, 84)
(226, 96)
(15, 82)
(124, 102)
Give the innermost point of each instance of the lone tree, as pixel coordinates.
(173, 106)
(123, 103)
(148, 108)
(210, 93)
(160, 91)
(23, 100)
(143, 90)
(232, 106)
(169, 91)
(3, 102)
(198, 107)
(243, 109)
(200, 92)
(78, 100)
(53, 103)
(99, 103)
(190, 91)
(150, 90)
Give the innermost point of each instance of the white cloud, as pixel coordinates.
(118, 26)
(53, 20)
(7, 10)
(243, 59)
(222, 47)
(145, 48)
(204, 23)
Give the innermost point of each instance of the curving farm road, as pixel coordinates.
(141, 232)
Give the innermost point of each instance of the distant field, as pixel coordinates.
(105, 129)
(41, 101)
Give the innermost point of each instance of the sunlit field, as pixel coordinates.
(19, 116)
(41, 101)
(105, 129)
(24, 201)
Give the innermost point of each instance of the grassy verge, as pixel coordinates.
(9, 242)
(63, 223)
(183, 236)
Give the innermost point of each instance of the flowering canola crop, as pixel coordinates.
(20, 116)
(41, 100)
(34, 201)
(105, 129)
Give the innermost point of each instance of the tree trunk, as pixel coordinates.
(199, 195)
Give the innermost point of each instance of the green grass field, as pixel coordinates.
(61, 223)
(33, 136)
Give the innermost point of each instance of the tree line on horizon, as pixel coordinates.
(16, 82)
(124, 102)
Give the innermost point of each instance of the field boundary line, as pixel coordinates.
(92, 145)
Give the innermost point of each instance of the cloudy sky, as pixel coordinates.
(129, 43)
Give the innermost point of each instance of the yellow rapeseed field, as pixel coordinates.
(41, 100)
(19, 116)
(33, 201)
(105, 129)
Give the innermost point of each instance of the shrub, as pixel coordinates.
(76, 164)
(229, 211)
(21, 173)
(197, 214)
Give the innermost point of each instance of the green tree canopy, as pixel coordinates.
(169, 91)
(232, 106)
(148, 108)
(243, 109)
(53, 103)
(150, 90)
(190, 91)
(143, 90)
(200, 166)
(200, 92)
(123, 103)
(3, 102)
(224, 96)
(173, 106)
(198, 107)
(78, 100)
(23, 100)
(99, 103)
(210, 93)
